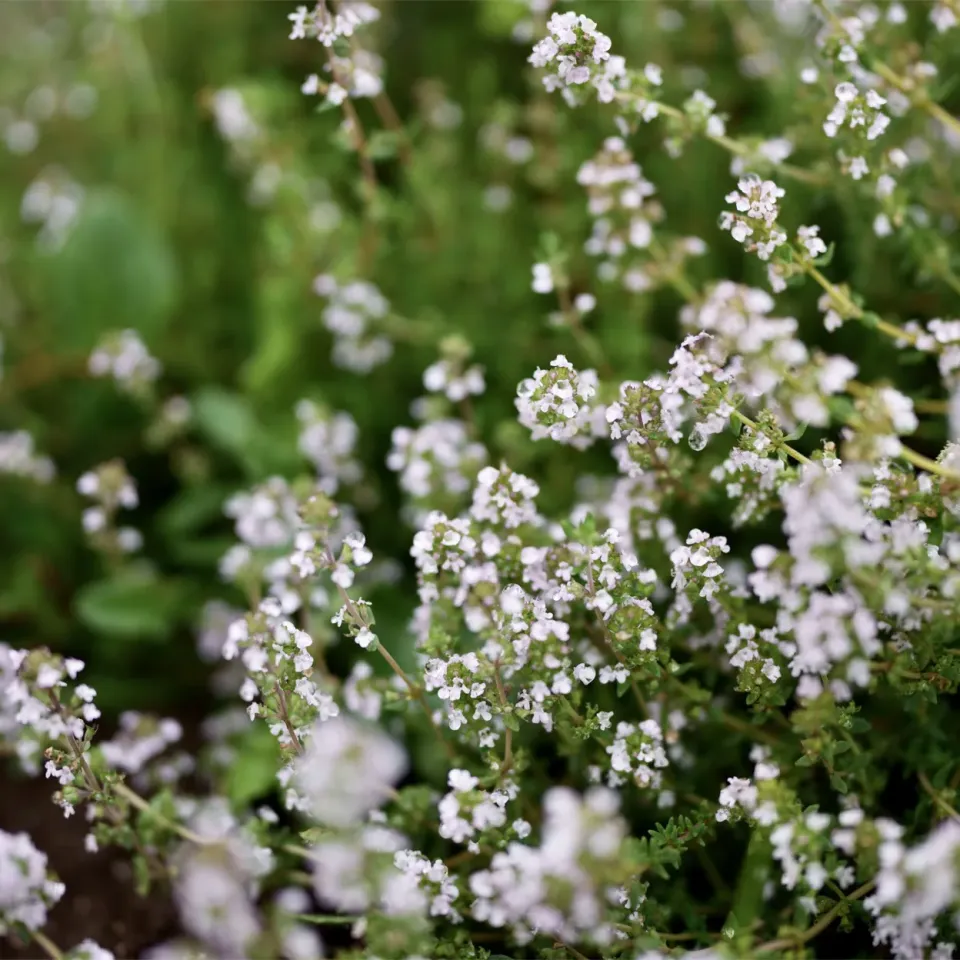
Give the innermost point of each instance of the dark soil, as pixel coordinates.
(100, 901)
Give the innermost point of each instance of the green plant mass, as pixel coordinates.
(479, 479)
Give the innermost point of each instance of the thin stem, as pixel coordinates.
(843, 302)
(325, 920)
(508, 737)
(296, 851)
(862, 390)
(387, 113)
(900, 83)
(93, 784)
(416, 691)
(947, 276)
(577, 719)
(49, 947)
(929, 106)
(587, 342)
(637, 695)
(571, 950)
(135, 800)
(755, 427)
(735, 147)
(356, 129)
(370, 238)
(285, 716)
(785, 943)
(937, 799)
(391, 120)
(919, 460)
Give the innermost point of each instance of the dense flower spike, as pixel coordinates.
(577, 54)
(352, 314)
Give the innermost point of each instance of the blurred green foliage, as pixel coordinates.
(168, 242)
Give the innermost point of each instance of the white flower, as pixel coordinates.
(346, 770)
(542, 278)
(584, 673)
(26, 892)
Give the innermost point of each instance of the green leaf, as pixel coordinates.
(841, 408)
(227, 419)
(253, 773)
(116, 271)
(796, 434)
(838, 783)
(132, 606)
(549, 245)
(383, 145)
(229, 422)
(193, 509)
(754, 872)
(201, 551)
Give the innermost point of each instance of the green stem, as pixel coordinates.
(785, 943)
(135, 800)
(734, 147)
(415, 691)
(937, 799)
(49, 947)
(755, 427)
(325, 920)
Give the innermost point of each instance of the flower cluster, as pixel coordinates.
(27, 890)
(556, 403)
(19, 458)
(436, 461)
(455, 384)
(125, 359)
(557, 888)
(755, 222)
(353, 72)
(578, 54)
(53, 201)
(112, 489)
(354, 314)
(328, 441)
(619, 201)
(328, 26)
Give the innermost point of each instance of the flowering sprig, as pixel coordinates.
(112, 489)
(125, 359)
(577, 54)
